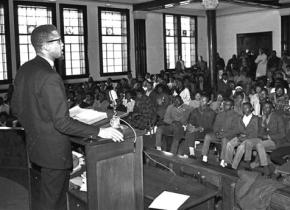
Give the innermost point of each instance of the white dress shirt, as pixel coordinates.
(185, 95)
(247, 119)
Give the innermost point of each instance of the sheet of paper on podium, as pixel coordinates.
(88, 116)
(168, 200)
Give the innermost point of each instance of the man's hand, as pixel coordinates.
(111, 133)
(190, 128)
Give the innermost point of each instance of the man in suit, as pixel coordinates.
(247, 129)
(40, 104)
(271, 135)
(200, 123)
(224, 129)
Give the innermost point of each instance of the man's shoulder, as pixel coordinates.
(36, 65)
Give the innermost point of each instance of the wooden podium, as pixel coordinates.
(114, 175)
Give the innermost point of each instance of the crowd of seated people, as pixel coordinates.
(247, 110)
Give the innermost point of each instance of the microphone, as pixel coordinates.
(115, 121)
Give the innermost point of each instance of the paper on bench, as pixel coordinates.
(88, 116)
(168, 200)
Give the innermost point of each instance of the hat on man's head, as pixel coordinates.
(42, 34)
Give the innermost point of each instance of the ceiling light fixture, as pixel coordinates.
(210, 4)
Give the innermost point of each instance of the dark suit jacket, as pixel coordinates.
(226, 123)
(203, 119)
(275, 129)
(251, 130)
(39, 102)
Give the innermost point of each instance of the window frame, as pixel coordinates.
(125, 12)
(179, 36)
(62, 62)
(52, 6)
(8, 43)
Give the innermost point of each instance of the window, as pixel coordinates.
(29, 16)
(179, 39)
(114, 39)
(171, 40)
(74, 32)
(5, 73)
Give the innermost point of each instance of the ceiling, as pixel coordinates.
(188, 5)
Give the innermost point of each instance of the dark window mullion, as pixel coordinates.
(179, 46)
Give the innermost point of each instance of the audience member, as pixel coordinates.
(4, 107)
(175, 118)
(199, 123)
(271, 135)
(144, 112)
(261, 62)
(247, 129)
(224, 129)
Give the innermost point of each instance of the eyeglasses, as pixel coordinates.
(54, 40)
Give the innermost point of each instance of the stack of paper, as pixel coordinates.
(169, 201)
(88, 116)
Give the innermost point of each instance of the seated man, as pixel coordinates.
(271, 135)
(247, 129)
(199, 123)
(224, 129)
(175, 118)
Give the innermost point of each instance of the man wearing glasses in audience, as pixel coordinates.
(40, 104)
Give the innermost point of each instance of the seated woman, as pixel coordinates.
(162, 101)
(196, 102)
(101, 103)
(144, 112)
(280, 99)
(128, 101)
(217, 105)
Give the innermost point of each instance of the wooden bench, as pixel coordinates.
(156, 181)
(224, 179)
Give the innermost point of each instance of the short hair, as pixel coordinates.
(229, 100)
(140, 90)
(248, 104)
(179, 98)
(268, 102)
(40, 35)
(265, 90)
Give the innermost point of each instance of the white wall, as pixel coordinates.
(231, 25)
(154, 42)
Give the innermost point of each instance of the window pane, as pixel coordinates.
(3, 55)
(171, 41)
(188, 40)
(114, 32)
(74, 41)
(30, 17)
